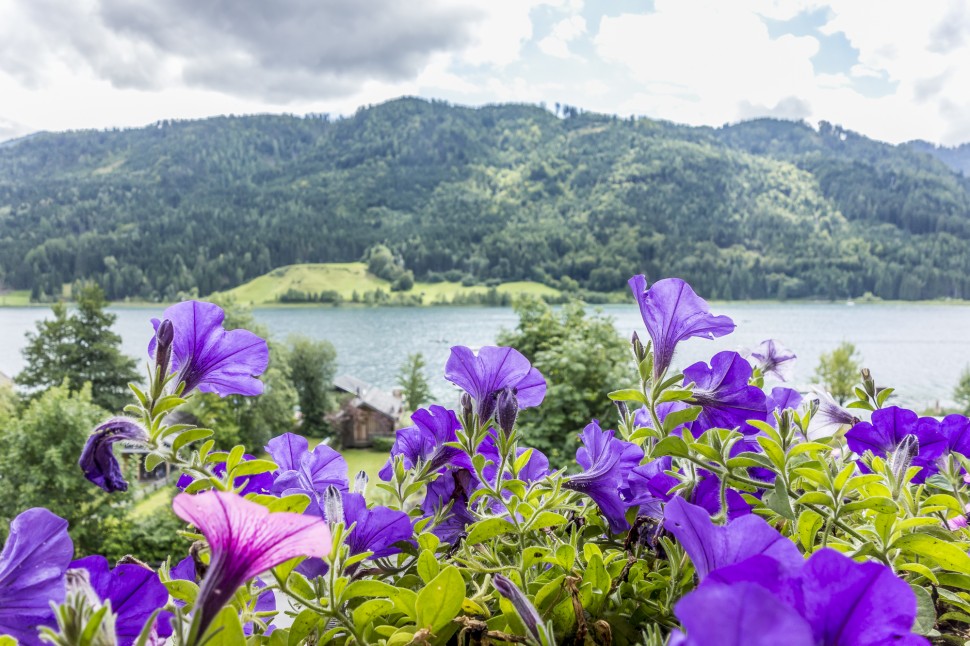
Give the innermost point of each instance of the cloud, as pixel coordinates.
(277, 51)
(563, 32)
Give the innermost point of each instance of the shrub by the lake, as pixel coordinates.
(714, 513)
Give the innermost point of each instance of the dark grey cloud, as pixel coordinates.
(791, 107)
(927, 88)
(272, 50)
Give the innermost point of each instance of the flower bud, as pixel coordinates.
(163, 348)
(508, 410)
(466, 404)
(902, 457)
(486, 407)
(868, 383)
(333, 505)
(360, 482)
(639, 352)
(622, 409)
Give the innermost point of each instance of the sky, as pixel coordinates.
(894, 70)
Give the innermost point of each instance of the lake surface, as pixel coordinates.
(919, 349)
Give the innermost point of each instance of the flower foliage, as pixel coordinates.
(713, 513)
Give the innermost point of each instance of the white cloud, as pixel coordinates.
(563, 32)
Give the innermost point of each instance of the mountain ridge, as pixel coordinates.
(760, 209)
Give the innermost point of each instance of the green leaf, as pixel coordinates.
(680, 417)
(778, 501)
(369, 588)
(878, 503)
(773, 450)
(302, 626)
(807, 447)
(251, 468)
(367, 611)
(283, 569)
(488, 528)
(809, 524)
(671, 445)
(547, 519)
(152, 460)
(628, 395)
(566, 556)
(946, 555)
(185, 591)
(597, 576)
(92, 626)
(226, 629)
(815, 498)
(674, 394)
(190, 436)
(439, 602)
(925, 623)
(920, 569)
(428, 566)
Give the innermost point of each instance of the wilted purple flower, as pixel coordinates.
(424, 442)
(210, 358)
(135, 592)
(723, 393)
(261, 483)
(33, 564)
(887, 431)
(523, 607)
(711, 546)
(304, 471)
(673, 313)
(772, 358)
(485, 375)
(244, 540)
(829, 416)
(98, 461)
(607, 462)
(453, 487)
(507, 410)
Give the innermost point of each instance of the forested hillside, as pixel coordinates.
(510, 192)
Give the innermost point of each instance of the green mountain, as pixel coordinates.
(500, 193)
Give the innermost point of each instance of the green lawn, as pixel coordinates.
(15, 298)
(348, 277)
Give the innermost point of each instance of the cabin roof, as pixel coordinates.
(369, 396)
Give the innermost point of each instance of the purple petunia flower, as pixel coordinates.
(607, 461)
(261, 483)
(711, 546)
(98, 461)
(492, 370)
(265, 601)
(454, 488)
(956, 430)
(756, 583)
(33, 565)
(244, 540)
(772, 358)
(424, 442)
(781, 399)
(889, 429)
(673, 313)
(135, 592)
(829, 416)
(723, 393)
(649, 485)
(304, 471)
(375, 529)
(210, 358)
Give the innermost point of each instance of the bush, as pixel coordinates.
(382, 444)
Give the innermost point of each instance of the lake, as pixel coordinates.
(920, 349)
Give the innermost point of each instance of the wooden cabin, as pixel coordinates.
(365, 412)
